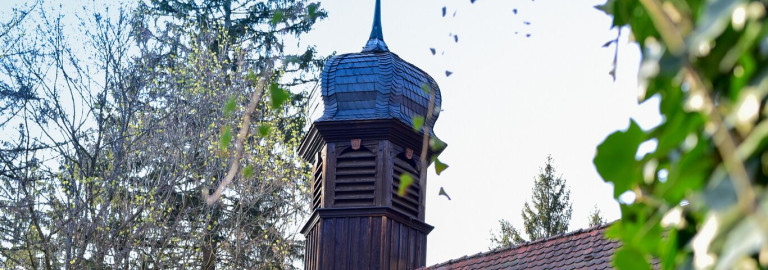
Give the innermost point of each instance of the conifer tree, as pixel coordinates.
(595, 219)
(549, 211)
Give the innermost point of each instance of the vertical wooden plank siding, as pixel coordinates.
(384, 232)
(339, 247)
(376, 243)
(326, 244)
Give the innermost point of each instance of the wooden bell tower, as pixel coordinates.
(359, 148)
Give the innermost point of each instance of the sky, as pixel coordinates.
(530, 79)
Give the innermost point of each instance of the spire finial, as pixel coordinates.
(376, 41)
(376, 30)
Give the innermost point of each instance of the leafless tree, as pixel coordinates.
(112, 140)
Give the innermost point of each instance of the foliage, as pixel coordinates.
(552, 205)
(699, 197)
(547, 215)
(508, 236)
(116, 140)
(595, 219)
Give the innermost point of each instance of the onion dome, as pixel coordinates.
(375, 84)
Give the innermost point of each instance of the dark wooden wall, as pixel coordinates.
(359, 221)
(360, 242)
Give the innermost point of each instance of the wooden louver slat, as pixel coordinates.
(355, 178)
(409, 203)
(317, 185)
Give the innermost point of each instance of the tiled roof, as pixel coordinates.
(582, 249)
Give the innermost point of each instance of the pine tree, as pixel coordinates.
(595, 219)
(550, 209)
(548, 213)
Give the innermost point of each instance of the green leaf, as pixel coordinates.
(226, 138)
(417, 122)
(279, 95)
(264, 130)
(437, 145)
(230, 106)
(443, 193)
(630, 259)
(440, 166)
(615, 158)
(248, 171)
(312, 11)
(277, 17)
(425, 88)
(406, 180)
(252, 77)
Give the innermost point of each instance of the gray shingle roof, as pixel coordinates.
(375, 84)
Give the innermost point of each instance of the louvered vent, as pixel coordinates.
(317, 184)
(355, 177)
(408, 204)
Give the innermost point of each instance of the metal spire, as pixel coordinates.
(376, 41)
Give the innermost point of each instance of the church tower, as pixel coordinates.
(359, 148)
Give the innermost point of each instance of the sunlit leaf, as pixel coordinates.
(443, 193)
(406, 180)
(279, 95)
(425, 88)
(225, 138)
(248, 171)
(437, 145)
(629, 259)
(440, 166)
(418, 122)
(615, 158)
(312, 11)
(230, 106)
(277, 17)
(264, 130)
(252, 77)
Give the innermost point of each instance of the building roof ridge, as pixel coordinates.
(521, 245)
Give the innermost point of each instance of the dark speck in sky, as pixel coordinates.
(514, 11)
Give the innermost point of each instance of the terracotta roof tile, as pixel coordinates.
(585, 249)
